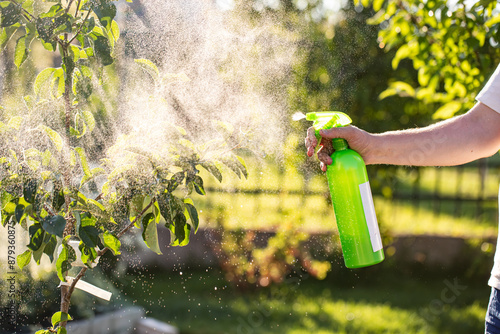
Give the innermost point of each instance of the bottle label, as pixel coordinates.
(371, 218)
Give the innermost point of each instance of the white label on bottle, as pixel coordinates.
(371, 218)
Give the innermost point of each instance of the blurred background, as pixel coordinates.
(267, 257)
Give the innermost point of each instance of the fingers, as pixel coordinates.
(342, 132)
(325, 152)
(311, 142)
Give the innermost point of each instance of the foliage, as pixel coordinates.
(251, 258)
(453, 46)
(47, 183)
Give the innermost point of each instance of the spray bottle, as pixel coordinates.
(351, 196)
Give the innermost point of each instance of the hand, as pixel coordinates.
(357, 139)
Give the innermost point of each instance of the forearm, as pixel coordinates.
(459, 140)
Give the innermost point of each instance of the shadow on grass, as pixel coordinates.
(366, 301)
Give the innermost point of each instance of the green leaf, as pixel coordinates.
(83, 161)
(181, 230)
(112, 242)
(45, 28)
(61, 330)
(225, 128)
(54, 225)
(37, 235)
(96, 204)
(149, 67)
(29, 190)
(15, 122)
(75, 53)
(150, 233)
(105, 11)
(403, 52)
(102, 49)
(115, 30)
(88, 254)
(58, 78)
(492, 21)
(198, 185)
(193, 215)
(88, 26)
(175, 181)
(120, 170)
(88, 233)
(50, 247)
(43, 331)
(53, 136)
(28, 5)
(212, 168)
(18, 214)
(63, 262)
(403, 89)
(181, 130)
(60, 317)
(136, 205)
(242, 165)
(5, 199)
(164, 206)
(24, 259)
(11, 13)
(377, 4)
(89, 119)
(55, 10)
(58, 199)
(7, 34)
(448, 110)
(20, 52)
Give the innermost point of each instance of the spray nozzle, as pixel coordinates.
(327, 119)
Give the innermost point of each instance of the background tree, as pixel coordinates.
(453, 46)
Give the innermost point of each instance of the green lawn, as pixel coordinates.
(360, 302)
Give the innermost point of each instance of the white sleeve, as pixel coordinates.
(490, 94)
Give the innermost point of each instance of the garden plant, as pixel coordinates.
(47, 183)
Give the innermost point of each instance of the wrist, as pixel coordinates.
(373, 152)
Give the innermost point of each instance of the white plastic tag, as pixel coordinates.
(87, 287)
(371, 218)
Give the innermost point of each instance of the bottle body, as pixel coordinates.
(353, 205)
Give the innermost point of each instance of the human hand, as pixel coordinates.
(357, 139)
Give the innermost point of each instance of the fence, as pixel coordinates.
(460, 200)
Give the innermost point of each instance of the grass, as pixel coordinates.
(241, 205)
(360, 302)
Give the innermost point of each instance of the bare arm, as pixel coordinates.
(458, 140)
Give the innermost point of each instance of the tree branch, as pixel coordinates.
(79, 29)
(67, 292)
(69, 6)
(77, 7)
(66, 296)
(125, 230)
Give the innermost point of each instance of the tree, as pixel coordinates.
(454, 47)
(48, 184)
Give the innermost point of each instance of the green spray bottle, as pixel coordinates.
(351, 196)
